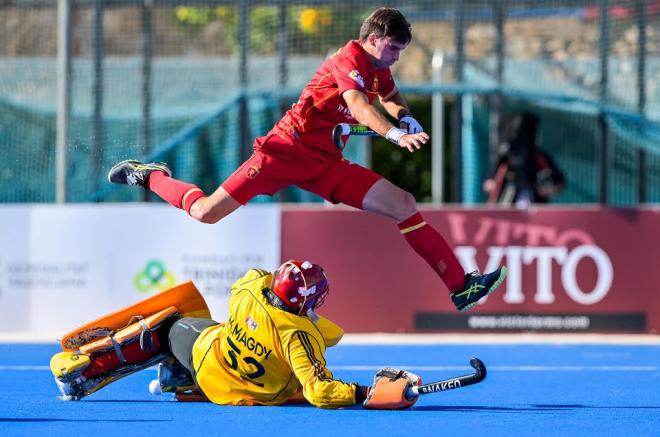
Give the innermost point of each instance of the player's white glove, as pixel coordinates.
(410, 125)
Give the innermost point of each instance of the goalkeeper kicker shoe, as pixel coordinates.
(172, 378)
(477, 286)
(135, 173)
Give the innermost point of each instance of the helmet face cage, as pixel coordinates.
(301, 285)
(320, 299)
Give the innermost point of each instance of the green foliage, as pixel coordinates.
(320, 30)
(193, 17)
(310, 29)
(263, 29)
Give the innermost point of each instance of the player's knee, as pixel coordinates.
(406, 206)
(202, 212)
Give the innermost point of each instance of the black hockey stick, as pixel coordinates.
(452, 383)
(343, 129)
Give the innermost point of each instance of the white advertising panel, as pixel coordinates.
(14, 251)
(61, 266)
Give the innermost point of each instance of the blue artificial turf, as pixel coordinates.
(530, 390)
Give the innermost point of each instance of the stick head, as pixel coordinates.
(480, 369)
(337, 132)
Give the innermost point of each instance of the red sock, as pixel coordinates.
(430, 245)
(175, 192)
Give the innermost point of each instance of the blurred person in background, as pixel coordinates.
(299, 151)
(524, 174)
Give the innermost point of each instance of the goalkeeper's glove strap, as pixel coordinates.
(361, 392)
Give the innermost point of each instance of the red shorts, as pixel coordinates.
(277, 164)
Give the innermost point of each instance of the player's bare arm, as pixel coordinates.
(395, 105)
(366, 114)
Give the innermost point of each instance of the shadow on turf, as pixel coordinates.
(127, 400)
(529, 408)
(477, 409)
(80, 420)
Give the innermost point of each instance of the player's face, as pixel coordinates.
(386, 51)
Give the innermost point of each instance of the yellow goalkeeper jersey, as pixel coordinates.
(264, 356)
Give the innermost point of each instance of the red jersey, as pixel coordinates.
(321, 105)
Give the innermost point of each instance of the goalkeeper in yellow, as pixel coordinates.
(270, 350)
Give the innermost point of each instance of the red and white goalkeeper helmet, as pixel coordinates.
(301, 285)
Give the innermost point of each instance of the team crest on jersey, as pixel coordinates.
(357, 77)
(252, 171)
(251, 323)
(374, 85)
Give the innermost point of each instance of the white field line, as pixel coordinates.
(371, 368)
(440, 339)
(512, 339)
(509, 368)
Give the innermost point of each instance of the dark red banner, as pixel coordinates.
(574, 270)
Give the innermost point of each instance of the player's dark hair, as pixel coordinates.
(386, 22)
